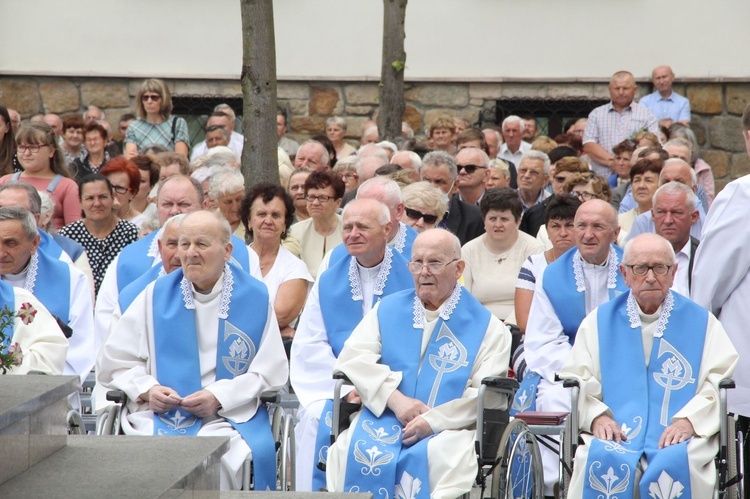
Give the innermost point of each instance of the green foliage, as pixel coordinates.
(399, 65)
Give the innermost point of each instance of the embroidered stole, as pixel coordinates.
(49, 245)
(177, 358)
(7, 300)
(53, 288)
(135, 288)
(644, 399)
(341, 308)
(377, 460)
(563, 282)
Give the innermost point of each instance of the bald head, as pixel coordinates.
(677, 170)
(595, 228)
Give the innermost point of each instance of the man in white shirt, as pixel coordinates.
(514, 147)
(664, 102)
(223, 120)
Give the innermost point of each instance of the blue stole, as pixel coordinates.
(178, 365)
(70, 247)
(341, 313)
(567, 296)
(644, 399)
(48, 279)
(402, 243)
(134, 259)
(7, 300)
(48, 245)
(377, 460)
(135, 288)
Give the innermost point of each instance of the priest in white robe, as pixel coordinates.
(339, 299)
(569, 288)
(649, 365)
(207, 381)
(63, 289)
(415, 435)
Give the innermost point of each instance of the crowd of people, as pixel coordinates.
(157, 263)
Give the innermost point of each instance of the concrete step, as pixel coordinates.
(124, 467)
(293, 495)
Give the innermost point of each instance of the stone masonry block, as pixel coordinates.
(719, 161)
(740, 165)
(705, 98)
(59, 96)
(361, 94)
(292, 90)
(104, 94)
(323, 101)
(445, 95)
(726, 133)
(738, 97)
(21, 94)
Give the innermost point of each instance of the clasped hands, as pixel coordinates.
(162, 399)
(409, 413)
(605, 428)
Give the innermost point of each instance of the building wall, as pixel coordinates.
(717, 107)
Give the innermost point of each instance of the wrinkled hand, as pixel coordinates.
(606, 428)
(405, 408)
(162, 399)
(416, 430)
(676, 433)
(353, 397)
(202, 403)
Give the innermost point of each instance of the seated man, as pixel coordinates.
(416, 430)
(339, 299)
(649, 363)
(195, 350)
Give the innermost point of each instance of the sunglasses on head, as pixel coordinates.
(416, 215)
(470, 168)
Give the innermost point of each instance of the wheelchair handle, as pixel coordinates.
(117, 396)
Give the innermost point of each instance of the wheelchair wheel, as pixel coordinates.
(518, 474)
(732, 471)
(567, 453)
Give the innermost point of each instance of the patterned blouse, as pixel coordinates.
(101, 252)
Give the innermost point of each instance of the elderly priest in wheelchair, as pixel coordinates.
(649, 364)
(195, 350)
(417, 360)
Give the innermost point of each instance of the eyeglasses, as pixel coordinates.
(32, 148)
(93, 139)
(345, 176)
(416, 215)
(584, 195)
(153, 97)
(470, 168)
(659, 269)
(527, 171)
(120, 189)
(321, 199)
(432, 267)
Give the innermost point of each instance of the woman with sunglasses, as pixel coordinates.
(494, 259)
(424, 205)
(155, 125)
(44, 167)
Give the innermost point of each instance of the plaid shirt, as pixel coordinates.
(607, 127)
(143, 134)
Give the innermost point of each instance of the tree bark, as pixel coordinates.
(392, 70)
(258, 79)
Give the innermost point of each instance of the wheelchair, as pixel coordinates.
(507, 450)
(728, 460)
(109, 422)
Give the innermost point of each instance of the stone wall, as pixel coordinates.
(717, 107)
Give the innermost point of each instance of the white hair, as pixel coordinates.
(537, 155)
(628, 250)
(416, 161)
(224, 180)
(201, 174)
(391, 192)
(405, 127)
(514, 119)
(226, 109)
(675, 188)
(175, 219)
(384, 214)
(48, 204)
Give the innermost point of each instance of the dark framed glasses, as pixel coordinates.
(416, 215)
(470, 168)
(153, 97)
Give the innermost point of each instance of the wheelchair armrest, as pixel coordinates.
(500, 383)
(727, 384)
(117, 396)
(269, 397)
(571, 383)
(340, 375)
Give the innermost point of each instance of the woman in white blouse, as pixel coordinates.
(494, 259)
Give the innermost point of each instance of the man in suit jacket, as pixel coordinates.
(462, 219)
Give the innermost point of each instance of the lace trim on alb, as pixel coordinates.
(226, 293)
(666, 311)
(153, 250)
(614, 268)
(400, 241)
(354, 283)
(385, 270)
(613, 264)
(445, 314)
(30, 281)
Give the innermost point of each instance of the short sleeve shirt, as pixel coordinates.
(143, 134)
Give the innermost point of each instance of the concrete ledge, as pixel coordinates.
(24, 395)
(125, 467)
(293, 495)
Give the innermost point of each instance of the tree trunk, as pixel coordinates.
(392, 70)
(258, 78)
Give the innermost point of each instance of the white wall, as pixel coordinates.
(483, 40)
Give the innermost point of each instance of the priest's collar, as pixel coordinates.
(446, 309)
(225, 284)
(26, 278)
(634, 313)
(384, 268)
(612, 261)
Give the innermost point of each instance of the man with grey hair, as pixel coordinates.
(387, 347)
(533, 170)
(406, 130)
(55, 123)
(61, 288)
(514, 147)
(493, 139)
(462, 219)
(408, 160)
(288, 145)
(93, 113)
(368, 271)
(370, 157)
(674, 212)
(473, 168)
(224, 120)
(610, 124)
(664, 102)
(163, 353)
(674, 170)
(312, 154)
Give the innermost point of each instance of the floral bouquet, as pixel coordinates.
(12, 355)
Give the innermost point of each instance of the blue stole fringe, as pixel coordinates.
(377, 459)
(638, 399)
(56, 298)
(178, 364)
(341, 315)
(570, 304)
(7, 299)
(135, 288)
